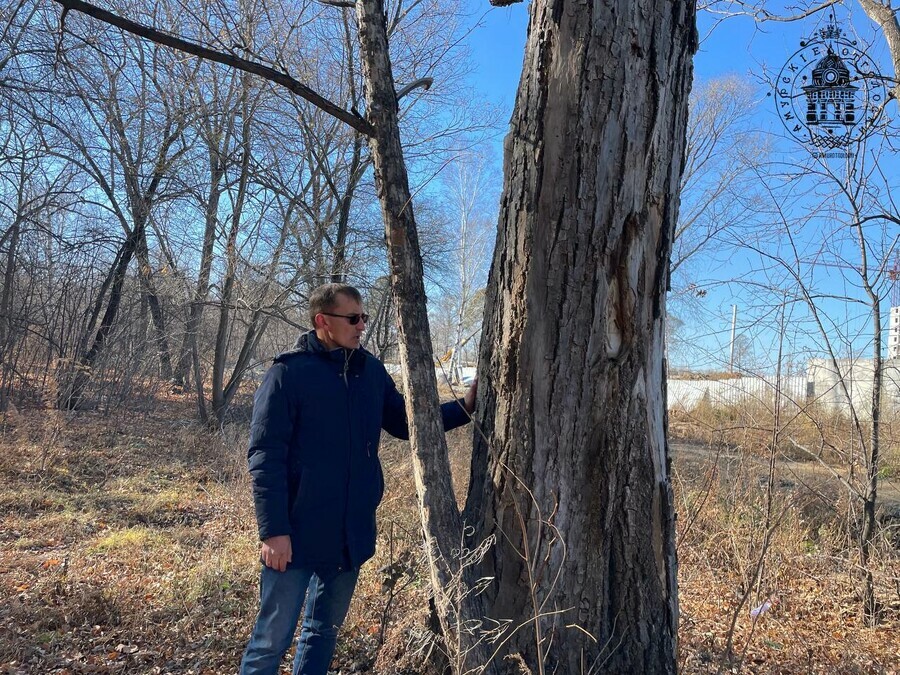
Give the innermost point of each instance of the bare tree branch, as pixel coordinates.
(355, 121)
(886, 17)
(760, 13)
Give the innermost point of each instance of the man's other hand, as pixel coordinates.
(275, 552)
(469, 400)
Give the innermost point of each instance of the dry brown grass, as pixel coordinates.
(128, 546)
(808, 433)
(129, 552)
(815, 625)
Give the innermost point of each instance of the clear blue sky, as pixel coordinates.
(735, 46)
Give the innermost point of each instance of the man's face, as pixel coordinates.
(337, 331)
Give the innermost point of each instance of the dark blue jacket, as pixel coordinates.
(317, 420)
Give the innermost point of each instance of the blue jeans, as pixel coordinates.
(281, 595)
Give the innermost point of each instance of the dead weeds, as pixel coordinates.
(129, 546)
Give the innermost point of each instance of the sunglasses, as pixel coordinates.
(352, 319)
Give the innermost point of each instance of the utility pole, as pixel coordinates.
(894, 330)
(731, 349)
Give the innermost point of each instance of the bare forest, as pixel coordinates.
(176, 178)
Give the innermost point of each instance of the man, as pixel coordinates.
(317, 420)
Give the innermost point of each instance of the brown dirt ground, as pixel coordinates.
(127, 545)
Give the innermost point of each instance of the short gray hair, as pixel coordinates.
(324, 298)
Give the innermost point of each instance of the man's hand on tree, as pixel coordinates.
(471, 395)
(275, 552)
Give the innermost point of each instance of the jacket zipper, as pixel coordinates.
(347, 355)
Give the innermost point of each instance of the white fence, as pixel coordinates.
(822, 385)
(832, 386)
(687, 394)
(466, 373)
(849, 381)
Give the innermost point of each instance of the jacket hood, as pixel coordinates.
(308, 342)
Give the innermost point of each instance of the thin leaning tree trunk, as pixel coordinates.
(259, 321)
(156, 311)
(7, 339)
(219, 403)
(870, 491)
(439, 514)
(201, 290)
(71, 394)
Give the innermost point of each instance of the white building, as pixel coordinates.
(894, 334)
(851, 382)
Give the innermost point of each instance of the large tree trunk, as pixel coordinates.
(573, 475)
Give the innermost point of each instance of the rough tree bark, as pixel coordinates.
(572, 475)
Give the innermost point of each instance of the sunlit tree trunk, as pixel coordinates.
(219, 402)
(201, 290)
(572, 475)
